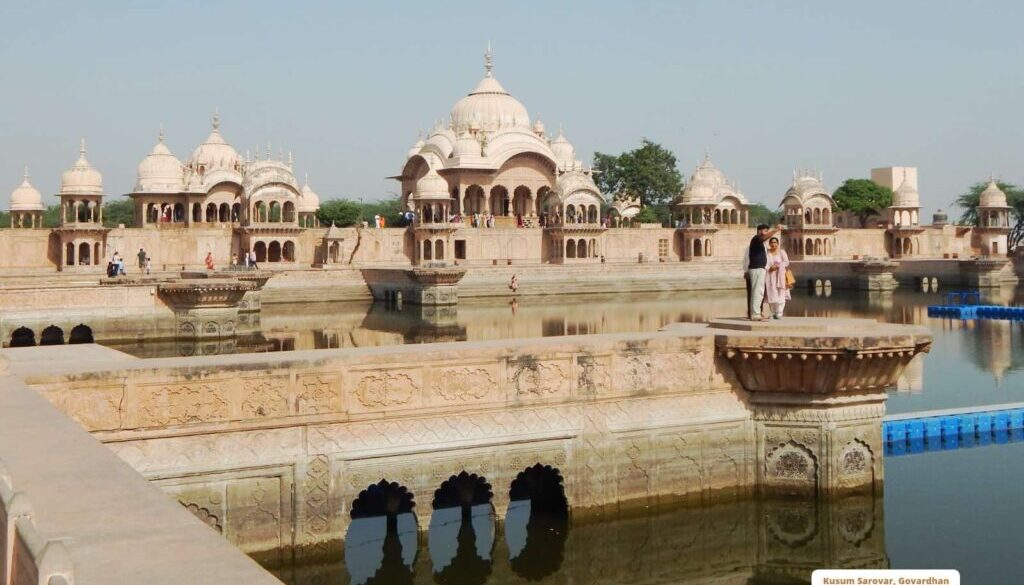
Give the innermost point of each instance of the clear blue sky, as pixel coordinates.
(769, 86)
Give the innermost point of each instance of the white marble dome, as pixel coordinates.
(992, 196)
(489, 107)
(25, 197)
(214, 153)
(431, 186)
(160, 171)
(465, 146)
(906, 195)
(81, 178)
(563, 149)
(708, 185)
(308, 200)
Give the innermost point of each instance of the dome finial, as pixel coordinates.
(488, 59)
(307, 179)
(160, 136)
(81, 147)
(707, 153)
(216, 119)
(25, 177)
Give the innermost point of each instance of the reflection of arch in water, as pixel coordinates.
(539, 509)
(23, 337)
(381, 512)
(462, 513)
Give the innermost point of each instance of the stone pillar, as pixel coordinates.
(874, 274)
(817, 394)
(985, 272)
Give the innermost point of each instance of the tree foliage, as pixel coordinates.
(1014, 198)
(759, 213)
(119, 213)
(347, 213)
(862, 197)
(648, 172)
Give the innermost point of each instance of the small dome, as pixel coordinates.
(214, 153)
(906, 195)
(309, 200)
(416, 147)
(992, 196)
(81, 178)
(431, 186)
(25, 197)
(489, 106)
(709, 185)
(538, 128)
(466, 145)
(563, 150)
(160, 171)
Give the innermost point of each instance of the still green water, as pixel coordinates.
(950, 509)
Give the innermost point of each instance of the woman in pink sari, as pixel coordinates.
(776, 291)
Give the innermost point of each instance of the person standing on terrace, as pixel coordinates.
(756, 265)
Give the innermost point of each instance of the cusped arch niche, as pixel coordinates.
(791, 468)
(856, 465)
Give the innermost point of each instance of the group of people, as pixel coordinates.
(115, 266)
(766, 268)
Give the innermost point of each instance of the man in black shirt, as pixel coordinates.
(756, 265)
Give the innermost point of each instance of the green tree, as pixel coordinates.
(862, 197)
(648, 172)
(119, 213)
(51, 217)
(1014, 198)
(646, 215)
(340, 212)
(759, 213)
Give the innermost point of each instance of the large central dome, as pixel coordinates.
(489, 107)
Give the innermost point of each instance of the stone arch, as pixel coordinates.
(438, 249)
(428, 250)
(288, 251)
(593, 248)
(698, 248)
(81, 333)
(707, 247)
(23, 337)
(224, 213)
(84, 253)
(236, 212)
(501, 203)
(394, 503)
(809, 247)
(570, 249)
(288, 212)
(52, 335)
(211, 213)
(383, 498)
(827, 247)
(274, 251)
(274, 212)
(454, 504)
(462, 491)
(581, 248)
(260, 250)
(544, 487)
(261, 212)
(547, 525)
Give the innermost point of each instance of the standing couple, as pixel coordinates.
(766, 267)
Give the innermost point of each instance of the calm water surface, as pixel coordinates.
(952, 509)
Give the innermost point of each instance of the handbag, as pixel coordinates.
(790, 279)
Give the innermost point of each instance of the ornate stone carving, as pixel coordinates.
(315, 395)
(594, 376)
(264, 397)
(791, 467)
(533, 378)
(182, 404)
(206, 516)
(381, 389)
(464, 384)
(317, 489)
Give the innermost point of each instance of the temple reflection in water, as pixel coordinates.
(748, 542)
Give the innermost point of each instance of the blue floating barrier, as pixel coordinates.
(1017, 419)
(896, 431)
(1001, 422)
(915, 430)
(950, 426)
(933, 428)
(984, 423)
(915, 445)
(1001, 437)
(898, 448)
(968, 425)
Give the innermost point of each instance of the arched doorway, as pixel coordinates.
(84, 253)
(274, 251)
(538, 507)
(260, 250)
(69, 254)
(23, 337)
(380, 544)
(289, 251)
(463, 515)
(52, 335)
(81, 333)
(439, 250)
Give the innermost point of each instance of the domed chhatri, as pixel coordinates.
(992, 196)
(500, 170)
(160, 171)
(81, 178)
(213, 154)
(489, 107)
(26, 207)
